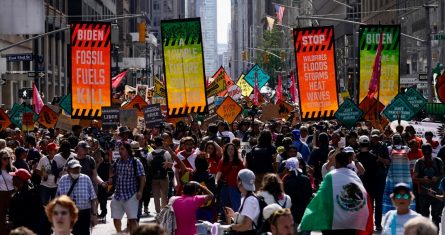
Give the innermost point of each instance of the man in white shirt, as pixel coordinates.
(49, 169)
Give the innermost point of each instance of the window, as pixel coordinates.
(156, 6)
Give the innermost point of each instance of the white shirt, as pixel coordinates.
(61, 161)
(45, 163)
(6, 181)
(226, 134)
(251, 209)
(286, 202)
(324, 171)
(191, 159)
(400, 221)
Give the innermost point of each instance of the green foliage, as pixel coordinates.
(271, 41)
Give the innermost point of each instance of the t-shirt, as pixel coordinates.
(229, 171)
(400, 221)
(46, 163)
(284, 201)
(185, 208)
(61, 160)
(88, 165)
(167, 156)
(251, 209)
(260, 159)
(324, 170)
(190, 159)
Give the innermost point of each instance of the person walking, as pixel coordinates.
(80, 189)
(6, 188)
(62, 213)
(129, 186)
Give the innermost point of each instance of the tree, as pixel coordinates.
(272, 40)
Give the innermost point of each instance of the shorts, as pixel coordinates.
(129, 207)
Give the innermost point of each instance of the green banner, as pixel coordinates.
(184, 66)
(415, 99)
(348, 113)
(399, 108)
(389, 76)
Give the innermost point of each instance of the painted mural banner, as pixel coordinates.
(90, 68)
(184, 66)
(316, 72)
(368, 42)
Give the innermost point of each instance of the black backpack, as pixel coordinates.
(156, 165)
(259, 226)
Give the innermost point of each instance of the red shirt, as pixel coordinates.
(434, 144)
(229, 172)
(213, 161)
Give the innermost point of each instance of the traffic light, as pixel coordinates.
(245, 55)
(265, 57)
(142, 29)
(283, 55)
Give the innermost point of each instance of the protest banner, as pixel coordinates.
(316, 72)
(229, 110)
(153, 115)
(415, 99)
(110, 118)
(217, 86)
(348, 113)
(64, 122)
(47, 117)
(65, 103)
(137, 103)
(372, 109)
(184, 66)
(5, 122)
(369, 38)
(128, 117)
(284, 109)
(28, 121)
(399, 109)
(257, 72)
(17, 117)
(90, 68)
(244, 85)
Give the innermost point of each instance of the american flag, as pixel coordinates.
(279, 12)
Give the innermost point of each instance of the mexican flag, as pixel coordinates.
(340, 203)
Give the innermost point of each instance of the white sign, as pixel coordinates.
(235, 92)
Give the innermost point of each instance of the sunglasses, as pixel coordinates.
(404, 196)
(62, 213)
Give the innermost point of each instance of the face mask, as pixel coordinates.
(75, 176)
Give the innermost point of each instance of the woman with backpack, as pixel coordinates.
(247, 219)
(272, 191)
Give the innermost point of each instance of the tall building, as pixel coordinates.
(206, 10)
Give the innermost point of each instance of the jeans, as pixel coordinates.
(102, 197)
(82, 226)
(47, 194)
(425, 202)
(229, 197)
(377, 197)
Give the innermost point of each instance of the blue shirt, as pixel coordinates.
(303, 149)
(126, 180)
(83, 192)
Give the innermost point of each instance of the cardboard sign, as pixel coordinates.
(90, 68)
(153, 115)
(182, 50)
(317, 82)
(270, 111)
(257, 72)
(372, 109)
(64, 122)
(28, 121)
(221, 73)
(284, 109)
(159, 88)
(129, 118)
(47, 117)
(235, 92)
(415, 99)
(229, 110)
(17, 117)
(137, 103)
(244, 85)
(389, 78)
(110, 118)
(5, 122)
(348, 113)
(217, 86)
(142, 90)
(399, 108)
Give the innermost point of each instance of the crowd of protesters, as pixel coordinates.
(58, 182)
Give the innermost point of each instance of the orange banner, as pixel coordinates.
(90, 68)
(315, 58)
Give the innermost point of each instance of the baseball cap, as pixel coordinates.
(83, 144)
(73, 164)
(247, 178)
(51, 147)
(22, 174)
(401, 186)
(135, 145)
(269, 210)
(292, 164)
(348, 150)
(363, 139)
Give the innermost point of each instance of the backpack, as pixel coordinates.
(135, 170)
(156, 165)
(260, 225)
(166, 219)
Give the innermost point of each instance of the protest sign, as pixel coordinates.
(90, 68)
(137, 103)
(153, 115)
(159, 88)
(399, 108)
(317, 82)
(64, 122)
(28, 121)
(218, 85)
(372, 109)
(369, 38)
(47, 117)
(129, 118)
(221, 73)
(235, 92)
(110, 118)
(5, 122)
(229, 110)
(244, 85)
(284, 109)
(348, 113)
(415, 99)
(142, 90)
(257, 72)
(184, 66)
